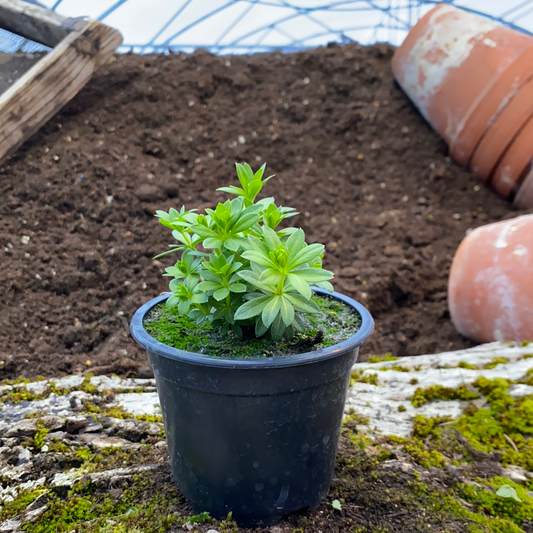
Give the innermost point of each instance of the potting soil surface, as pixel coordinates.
(369, 177)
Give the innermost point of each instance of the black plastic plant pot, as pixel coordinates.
(254, 437)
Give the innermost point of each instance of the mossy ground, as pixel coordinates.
(443, 478)
(335, 323)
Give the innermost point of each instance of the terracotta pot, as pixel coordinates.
(490, 294)
(448, 64)
(524, 196)
(514, 163)
(491, 105)
(500, 136)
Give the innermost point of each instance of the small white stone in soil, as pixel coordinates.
(241, 139)
(25, 239)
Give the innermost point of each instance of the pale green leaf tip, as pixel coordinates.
(506, 491)
(336, 504)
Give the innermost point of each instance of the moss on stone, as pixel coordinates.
(357, 376)
(22, 394)
(468, 366)
(424, 457)
(495, 362)
(382, 358)
(335, 323)
(438, 392)
(505, 426)
(355, 419)
(38, 438)
(396, 368)
(424, 427)
(482, 495)
(116, 411)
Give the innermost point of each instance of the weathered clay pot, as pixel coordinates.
(524, 196)
(490, 293)
(501, 135)
(451, 62)
(501, 93)
(514, 163)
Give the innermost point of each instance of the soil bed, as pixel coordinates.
(370, 178)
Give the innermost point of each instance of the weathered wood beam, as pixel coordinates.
(44, 89)
(34, 22)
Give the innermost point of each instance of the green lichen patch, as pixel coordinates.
(335, 323)
(438, 392)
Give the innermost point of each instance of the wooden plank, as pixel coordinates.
(35, 97)
(34, 22)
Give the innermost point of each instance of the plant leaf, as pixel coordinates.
(271, 238)
(200, 518)
(271, 310)
(231, 244)
(252, 308)
(306, 255)
(199, 298)
(259, 258)
(302, 304)
(247, 220)
(252, 278)
(313, 275)
(237, 287)
(232, 190)
(506, 491)
(270, 276)
(220, 294)
(336, 504)
(326, 285)
(260, 328)
(212, 242)
(277, 329)
(208, 286)
(286, 311)
(300, 285)
(295, 243)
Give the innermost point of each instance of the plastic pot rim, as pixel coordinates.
(142, 337)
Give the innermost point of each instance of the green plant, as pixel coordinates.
(237, 270)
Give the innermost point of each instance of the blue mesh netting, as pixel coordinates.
(248, 26)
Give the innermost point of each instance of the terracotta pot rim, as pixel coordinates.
(500, 136)
(494, 102)
(517, 158)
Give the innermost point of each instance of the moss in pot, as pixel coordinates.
(252, 352)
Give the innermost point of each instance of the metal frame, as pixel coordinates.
(396, 18)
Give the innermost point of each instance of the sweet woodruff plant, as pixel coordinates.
(238, 270)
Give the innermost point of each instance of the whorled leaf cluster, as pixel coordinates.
(237, 269)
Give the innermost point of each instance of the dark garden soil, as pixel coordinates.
(370, 178)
